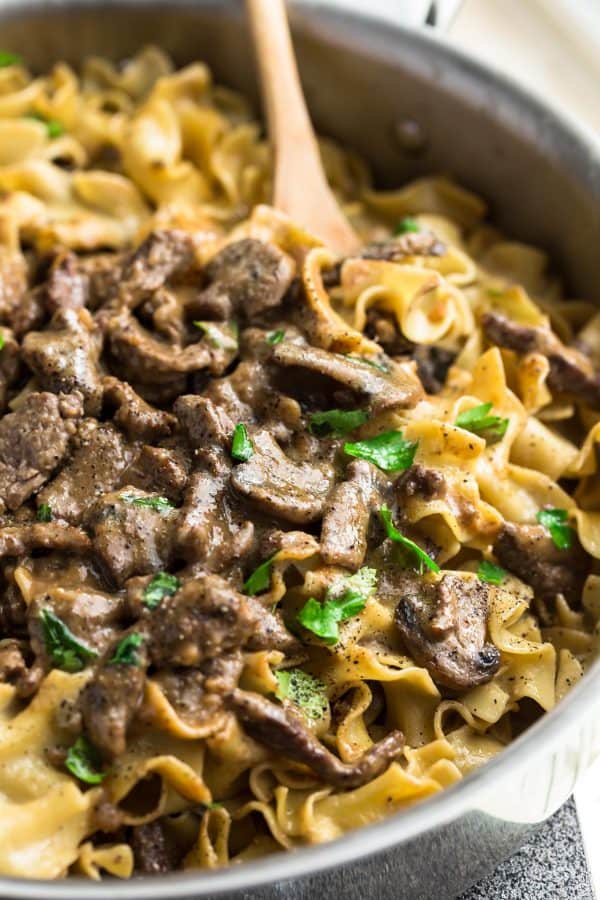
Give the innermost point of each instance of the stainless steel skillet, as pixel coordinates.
(364, 82)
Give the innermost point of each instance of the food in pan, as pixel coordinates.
(288, 542)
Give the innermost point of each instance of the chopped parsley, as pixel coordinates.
(53, 126)
(241, 445)
(375, 364)
(389, 451)
(9, 59)
(336, 422)
(157, 503)
(162, 585)
(2, 341)
(222, 336)
(490, 572)
(84, 762)
(260, 579)
(44, 513)
(275, 337)
(65, 650)
(125, 651)
(304, 690)
(478, 421)
(407, 225)
(394, 535)
(345, 598)
(555, 521)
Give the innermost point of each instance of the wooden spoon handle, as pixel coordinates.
(301, 189)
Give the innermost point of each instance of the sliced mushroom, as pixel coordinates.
(443, 626)
(295, 491)
(398, 389)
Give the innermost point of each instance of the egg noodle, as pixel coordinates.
(99, 160)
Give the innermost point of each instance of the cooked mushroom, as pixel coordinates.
(443, 625)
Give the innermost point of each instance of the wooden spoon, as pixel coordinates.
(301, 190)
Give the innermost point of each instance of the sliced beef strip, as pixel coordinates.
(110, 701)
(160, 470)
(67, 286)
(21, 540)
(152, 851)
(397, 389)
(10, 365)
(15, 670)
(433, 364)
(94, 617)
(204, 422)
(347, 514)
(419, 481)
(12, 662)
(13, 291)
(247, 277)
(197, 694)
(211, 531)
(296, 492)
(99, 459)
(270, 632)
(139, 420)
(283, 730)
(529, 552)
(34, 441)
(164, 254)
(64, 357)
(103, 272)
(205, 619)
(13, 612)
(571, 372)
(443, 626)
(129, 539)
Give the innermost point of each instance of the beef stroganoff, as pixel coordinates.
(289, 542)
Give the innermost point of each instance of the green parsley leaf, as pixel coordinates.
(44, 513)
(389, 451)
(241, 445)
(304, 690)
(84, 762)
(336, 422)
(345, 598)
(260, 579)
(9, 59)
(2, 341)
(222, 335)
(490, 572)
(395, 535)
(125, 654)
(478, 421)
(53, 126)
(406, 225)
(373, 363)
(159, 504)
(65, 650)
(275, 337)
(555, 521)
(162, 585)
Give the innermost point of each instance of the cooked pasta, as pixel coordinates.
(288, 543)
